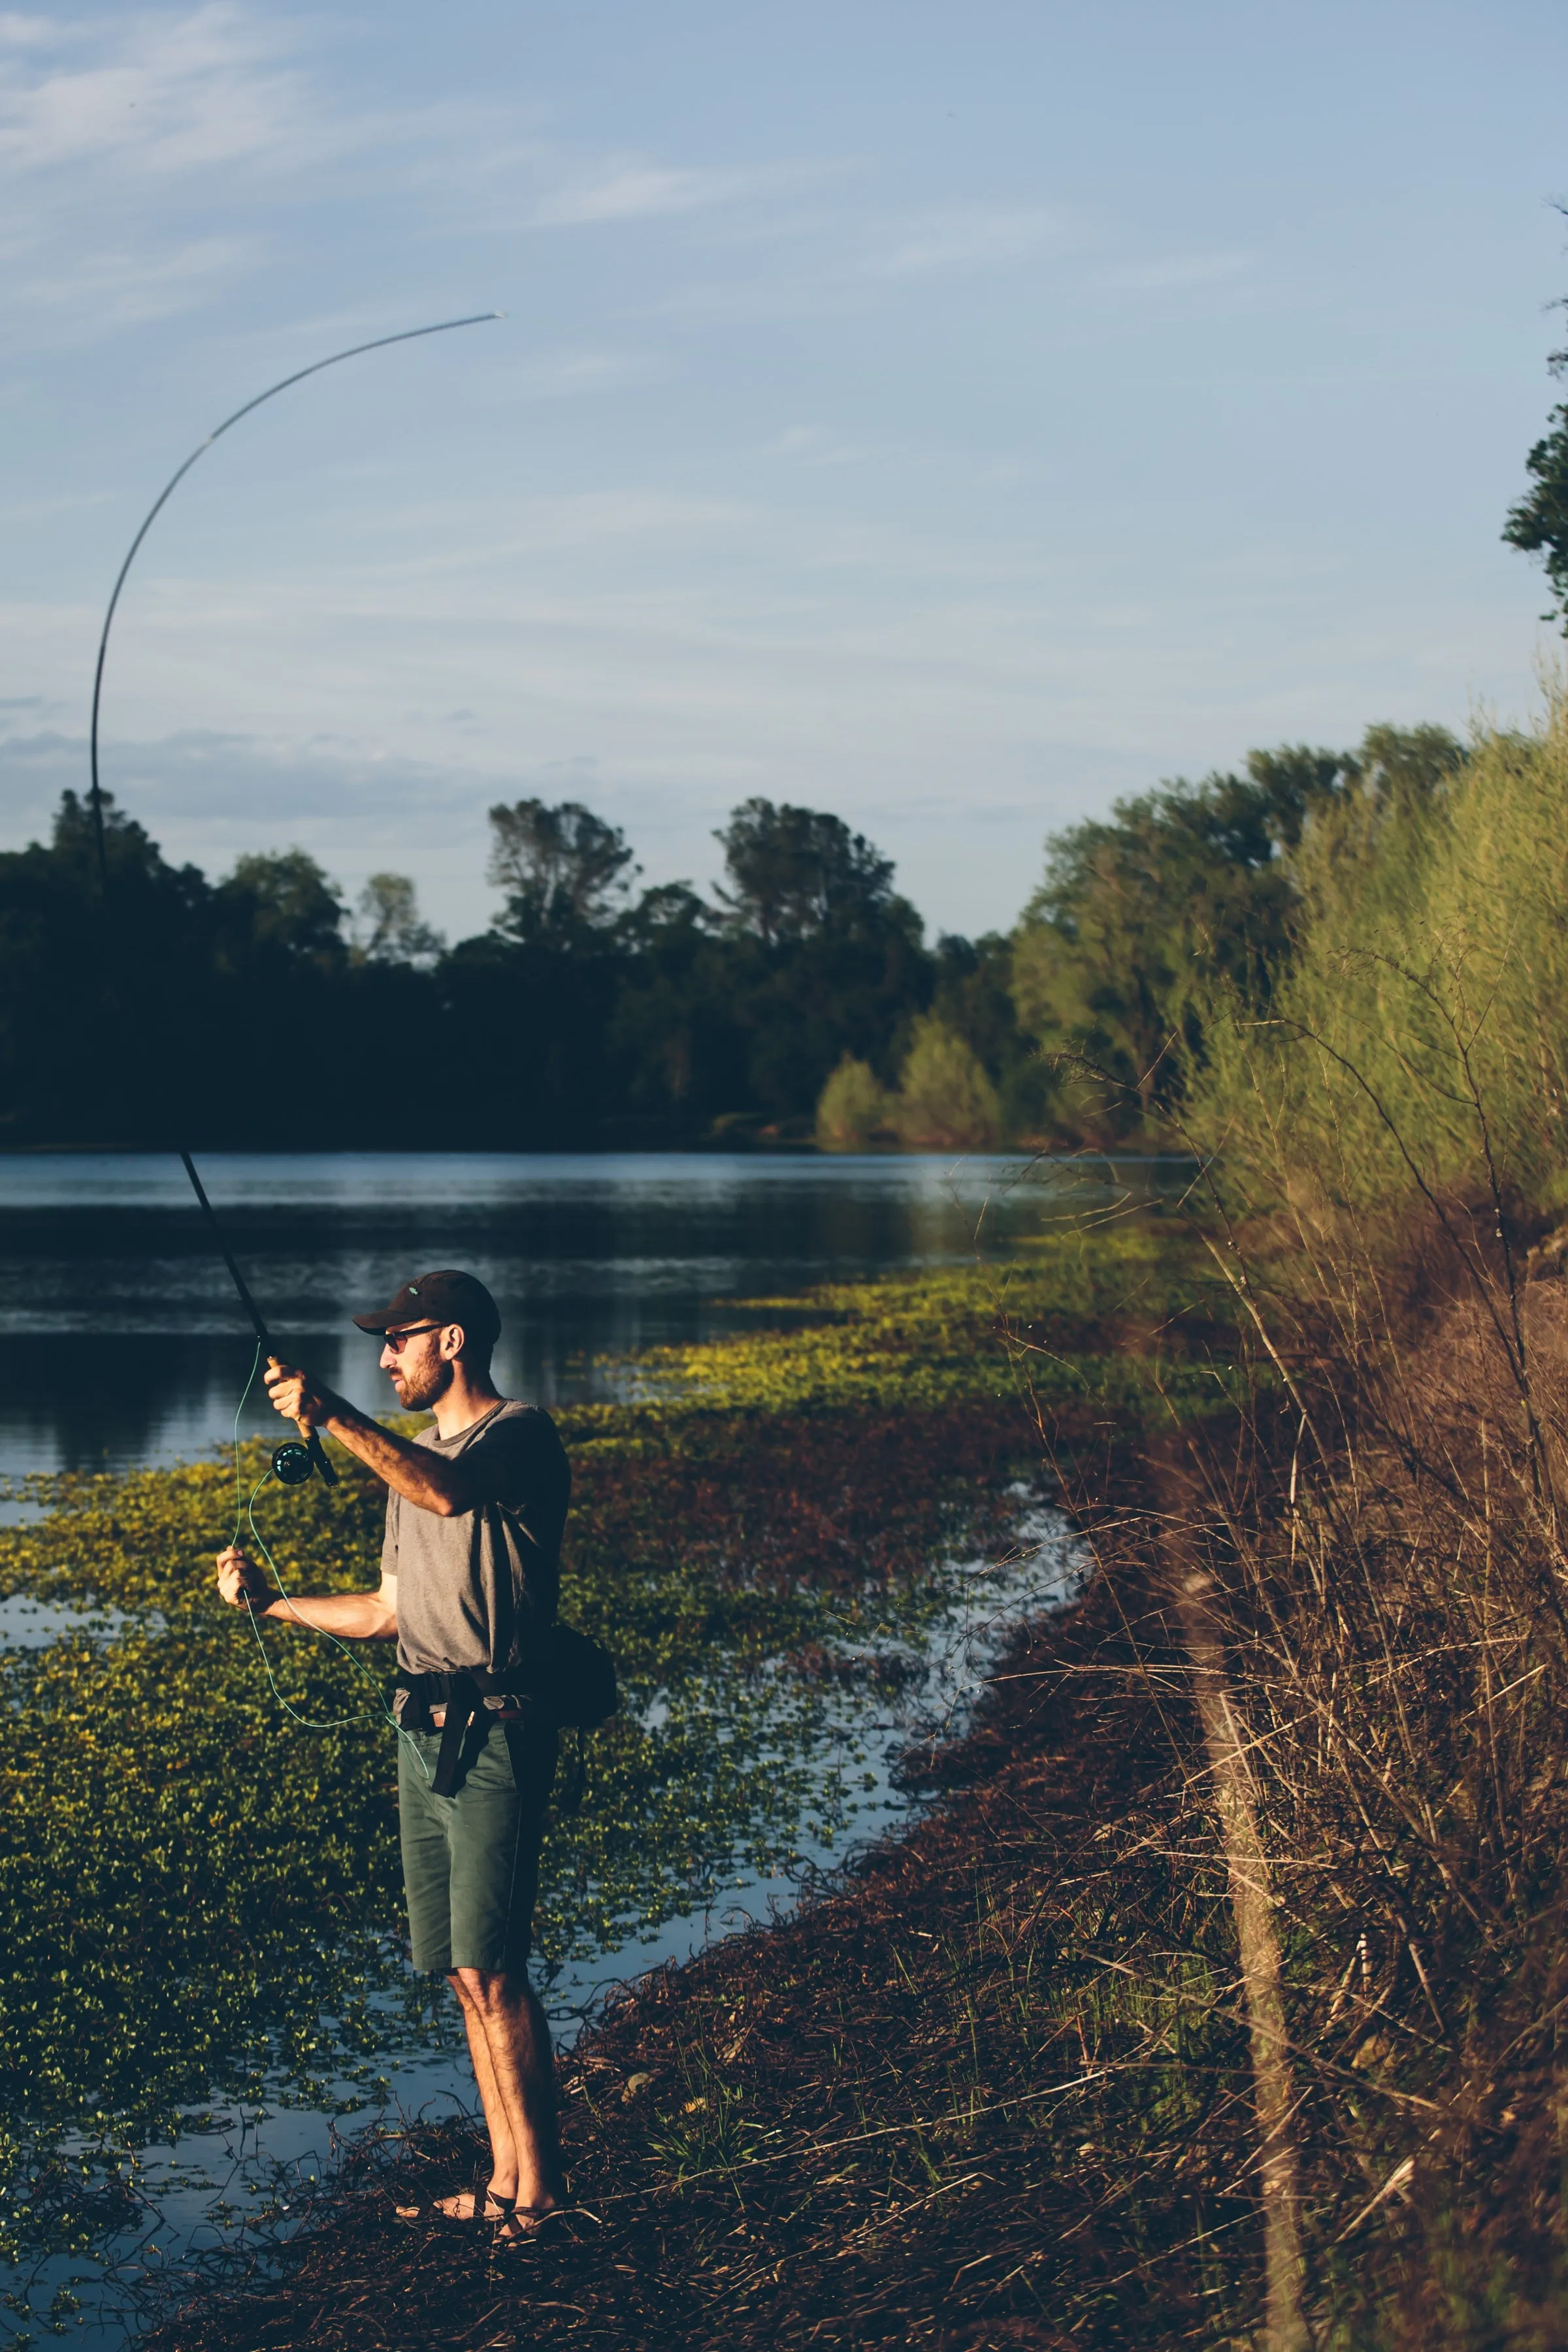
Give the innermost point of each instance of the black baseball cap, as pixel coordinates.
(445, 1296)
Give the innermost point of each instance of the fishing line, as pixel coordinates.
(245, 1511)
(305, 1722)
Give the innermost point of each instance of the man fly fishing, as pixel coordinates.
(470, 1569)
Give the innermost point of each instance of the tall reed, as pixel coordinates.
(1381, 1529)
(1379, 1667)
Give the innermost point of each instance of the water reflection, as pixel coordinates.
(136, 1351)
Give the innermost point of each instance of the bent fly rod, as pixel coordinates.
(292, 1463)
(409, 335)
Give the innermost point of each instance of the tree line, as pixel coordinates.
(260, 1009)
(799, 1001)
(799, 998)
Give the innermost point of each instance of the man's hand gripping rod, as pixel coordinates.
(319, 1460)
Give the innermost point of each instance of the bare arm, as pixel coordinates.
(419, 1475)
(352, 1616)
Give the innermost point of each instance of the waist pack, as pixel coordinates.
(576, 1686)
(567, 1684)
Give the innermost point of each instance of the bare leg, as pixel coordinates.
(503, 2151)
(508, 2043)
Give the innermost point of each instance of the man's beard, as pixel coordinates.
(421, 1387)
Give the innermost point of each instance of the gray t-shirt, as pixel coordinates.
(472, 1589)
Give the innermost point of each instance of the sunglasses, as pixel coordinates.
(395, 1340)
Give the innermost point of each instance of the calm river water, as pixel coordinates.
(125, 1343)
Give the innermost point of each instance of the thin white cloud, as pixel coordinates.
(116, 289)
(26, 31)
(1175, 271)
(971, 237)
(203, 775)
(811, 444)
(179, 94)
(958, 240)
(633, 192)
(564, 374)
(117, 139)
(119, 134)
(633, 188)
(744, 300)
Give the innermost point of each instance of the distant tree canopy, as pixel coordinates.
(389, 928)
(285, 908)
(565, 872)
(1186, 889)
(1538, 523)
(799, 874)
(253, 1010)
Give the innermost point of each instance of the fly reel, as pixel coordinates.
(292, 1463)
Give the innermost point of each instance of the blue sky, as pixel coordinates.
(952, 415)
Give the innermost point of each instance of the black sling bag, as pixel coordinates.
(568, 1684)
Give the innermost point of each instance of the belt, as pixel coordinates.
(496, 1714)
(460, 1697)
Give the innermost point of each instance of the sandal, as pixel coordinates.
(522, 2222)
(442, 2211)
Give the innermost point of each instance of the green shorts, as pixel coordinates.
(471, 1861)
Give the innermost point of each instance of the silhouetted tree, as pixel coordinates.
(282, 906)
(565, 871)
(796, 872)
(107, 1003)
(171, 1010)
(1538, 523)
(389, 928)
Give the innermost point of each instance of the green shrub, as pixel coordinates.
(852, 1109)
(944, 1100)
(1418, 1033)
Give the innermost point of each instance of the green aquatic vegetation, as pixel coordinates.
(1047, 1323)
(200, 1896)
(176, 1854)
(200, 1899)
